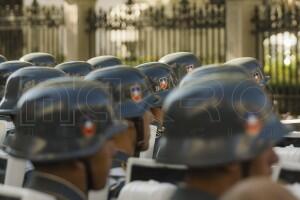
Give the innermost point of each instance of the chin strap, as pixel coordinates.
(245, 168)
(139, 126)
(89, 174)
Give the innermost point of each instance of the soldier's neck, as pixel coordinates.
(67, 172)
(125, 142)
(216, 187)
(127, 149)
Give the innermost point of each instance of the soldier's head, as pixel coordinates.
(22, 80)
(40, 59)
(223, 128)
(253, 67)
(134, 98)
(6, 69)
(64, 127)
(182, 63)
(104, 61)
(75, 68)
(162, 79)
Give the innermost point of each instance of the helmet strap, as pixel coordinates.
(89, 174)
(139, 126)
(245, 168)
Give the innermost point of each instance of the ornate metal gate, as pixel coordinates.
(29, 29)
(138, 33)
(277, 35)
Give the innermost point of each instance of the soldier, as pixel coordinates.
(22, 80)
(163, 80)
(223, 129)
(254, 68)
(182, 63)
(64, 127)
(104, 61)
(75, 68)
(40, 59)
(17, 84)
(2, 59)
(6, 69)
(134, 98)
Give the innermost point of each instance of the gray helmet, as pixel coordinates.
(181, 62)
(217, 121)
(253, 67)
(213, 70)
(129, 87)
(75, 68)
(22, 80)
(7, 68)
(162, 78)
(63, 119)
(40, 59)
(104, 61)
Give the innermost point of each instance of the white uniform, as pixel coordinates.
(5, 128)
(150, 151)
(13, 170)
(8, 192)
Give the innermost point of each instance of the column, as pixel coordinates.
(77, 44)
(239, 28)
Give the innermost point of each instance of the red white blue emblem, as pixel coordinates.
(88, 129)
(253, 125)
(189, 68)
(257, 77)
(29, 84)
(136, 93)
(163, 83)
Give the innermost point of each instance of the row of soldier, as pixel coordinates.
(78, 123)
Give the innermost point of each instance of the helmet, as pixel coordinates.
(39, 59)
(2, 59)
(161, 76)
(212, 70)
(182, 63)
(75, 68)
(22, 80)
(130, 89)
(6, 69)
(217, 121)
(62, 119)
(132, 93)
(104, 61)
(253, 67)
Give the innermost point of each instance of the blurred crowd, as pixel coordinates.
(167, 130)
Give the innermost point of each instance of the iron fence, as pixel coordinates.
(278, 46)
(30, 29)
(138, 33)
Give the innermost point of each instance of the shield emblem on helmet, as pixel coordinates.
(163, 83)
(136, 93)
(257, 77)
(29, 84)
(189, 68)
(88, 129)
(253, 125)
